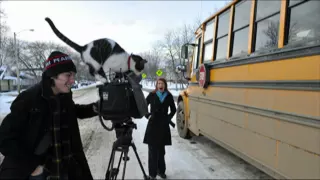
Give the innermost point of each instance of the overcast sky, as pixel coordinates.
(135, 25)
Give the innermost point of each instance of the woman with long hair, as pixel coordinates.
(158, 134)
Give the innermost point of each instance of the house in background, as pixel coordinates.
(8, 79)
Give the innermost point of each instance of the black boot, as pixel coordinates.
(162, 175)
(150, 177)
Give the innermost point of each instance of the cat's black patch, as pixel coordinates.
(101, 50)
(139, 62)
(84, 49)
(91, 69)
(117, 49)
(102, 73)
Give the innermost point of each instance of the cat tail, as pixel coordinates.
(63, 37)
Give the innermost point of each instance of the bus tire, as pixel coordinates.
(181, 123)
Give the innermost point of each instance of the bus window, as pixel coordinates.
(241, 27)
(196, 54)
(304, 24)
(267, 24)
(208, 40)
(222, 36)
(293, 2)
(207, 51)
(208, 35)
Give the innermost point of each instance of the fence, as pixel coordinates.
(11, 85)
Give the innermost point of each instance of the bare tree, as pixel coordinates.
(2, 13)
(154, 58)
(171, 46)
(4, 47)
(272, 33)
(82, 68)
(33, 55)
(3, 38)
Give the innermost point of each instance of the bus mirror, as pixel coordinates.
(180, 68)
(184, 52)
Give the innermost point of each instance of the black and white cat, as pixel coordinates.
(104, 55)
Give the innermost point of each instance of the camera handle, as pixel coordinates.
(101, 120)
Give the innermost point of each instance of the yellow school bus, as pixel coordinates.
(254, 85)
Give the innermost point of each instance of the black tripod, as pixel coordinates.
(122, 144)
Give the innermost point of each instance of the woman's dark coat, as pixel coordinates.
(28, 121)
(158, 130)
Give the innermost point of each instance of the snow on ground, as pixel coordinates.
(198, 158)
(185, 159)
(181, 163)
(5, 103)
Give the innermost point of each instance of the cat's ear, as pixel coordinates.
(144, 61)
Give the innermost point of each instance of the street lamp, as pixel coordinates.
(16, 56)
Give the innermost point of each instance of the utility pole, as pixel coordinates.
(17, 61)
(16, 56)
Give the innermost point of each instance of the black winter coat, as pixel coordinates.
(158, 129)
(28, 121)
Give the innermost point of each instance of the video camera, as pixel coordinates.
(121, 99)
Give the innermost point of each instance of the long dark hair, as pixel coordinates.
(165, 84)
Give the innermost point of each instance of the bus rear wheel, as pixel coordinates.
(181, 122)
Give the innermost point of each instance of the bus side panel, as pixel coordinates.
(302, 68)
(297, 163)
(251, 127)
(304, 103)
(193, 122)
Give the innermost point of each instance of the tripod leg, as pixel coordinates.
(125, 164)
(119, 164)
(135, 151)
(108, 173)
(111, 172)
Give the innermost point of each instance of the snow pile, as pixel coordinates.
(88, 86)
(5, 103)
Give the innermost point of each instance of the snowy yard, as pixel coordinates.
(198, 158)
(5, 102)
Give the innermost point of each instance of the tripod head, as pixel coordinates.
(124, 133)
(125, 128)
